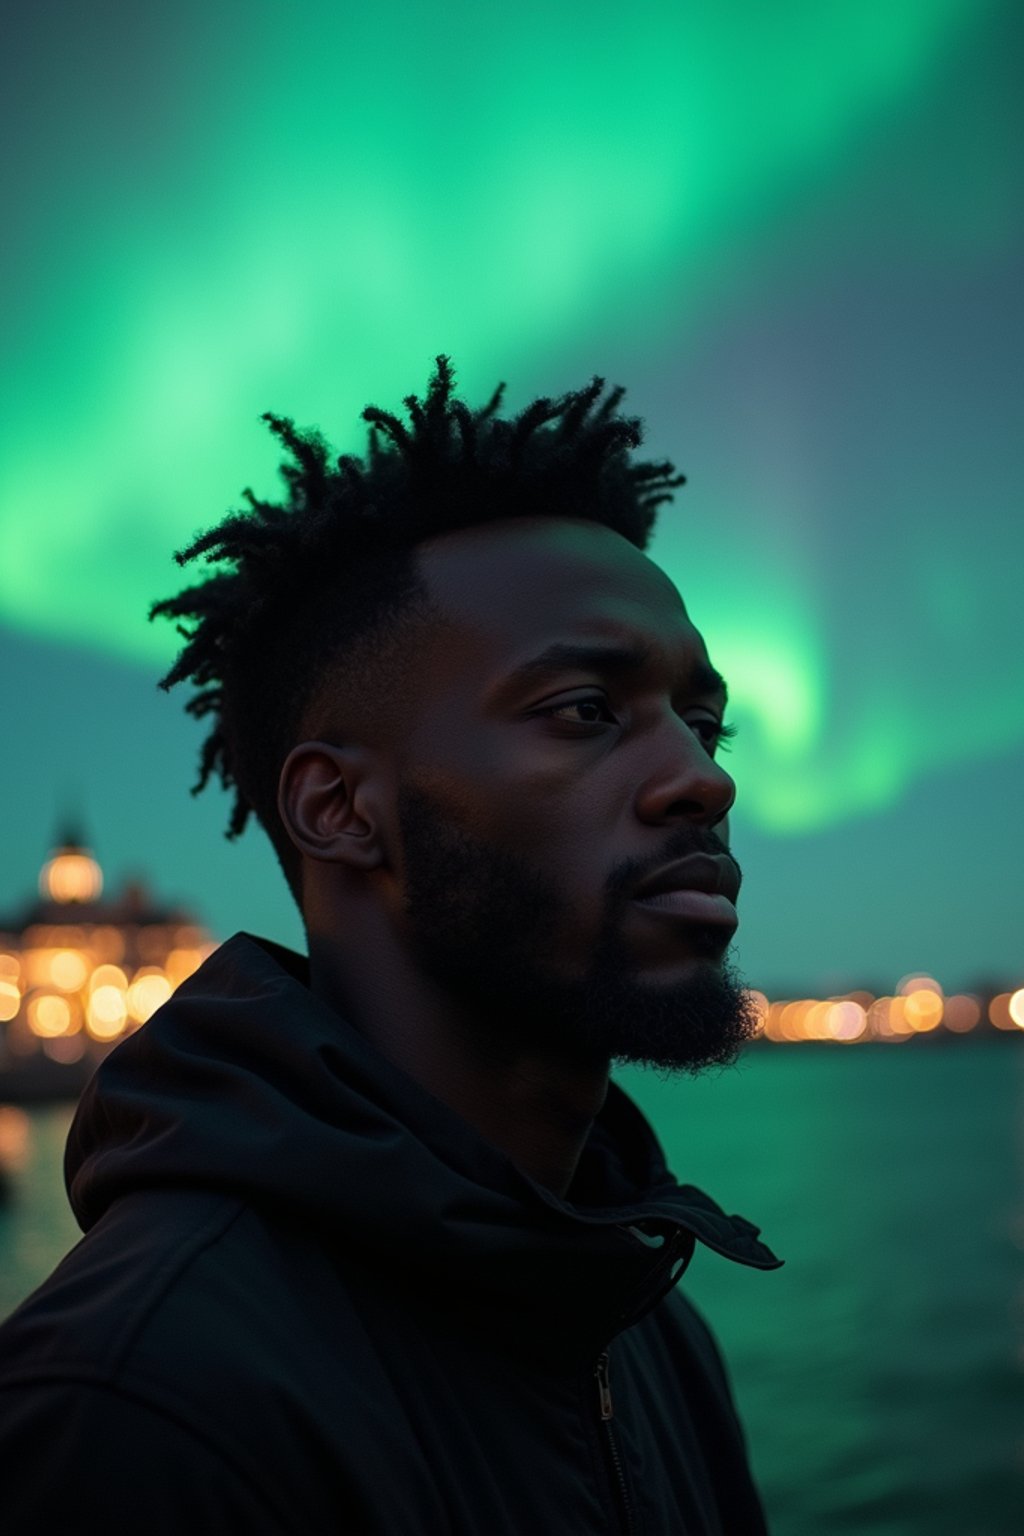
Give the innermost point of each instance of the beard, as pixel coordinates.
(487, 928)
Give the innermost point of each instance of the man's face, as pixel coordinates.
(532, 807)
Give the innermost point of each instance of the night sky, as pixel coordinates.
(794, 233)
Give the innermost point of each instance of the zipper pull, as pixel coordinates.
(603, 1386)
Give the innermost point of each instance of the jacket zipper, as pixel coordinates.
(604, 1395)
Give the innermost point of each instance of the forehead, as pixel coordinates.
(508, 588)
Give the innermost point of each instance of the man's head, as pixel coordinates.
(383, 711)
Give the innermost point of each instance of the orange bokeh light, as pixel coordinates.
(961, 1013)
(49, 1015)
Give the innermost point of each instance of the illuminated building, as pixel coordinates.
(79, 970)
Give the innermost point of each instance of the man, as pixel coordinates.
(373, 1243)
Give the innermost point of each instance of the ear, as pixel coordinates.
(333, 803)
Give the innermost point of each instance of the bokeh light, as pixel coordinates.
(108, 976)
(68, 970)
(148, 992)
(71, 877)
(999, 1011)
(10, 999)
(962, 1013)
(106, 1014)
(49, 1015)
(847, 1020)
(922, 1009)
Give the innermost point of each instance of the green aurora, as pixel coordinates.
(243, 209)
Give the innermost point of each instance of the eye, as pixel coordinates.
(593, 700)
(712, 734)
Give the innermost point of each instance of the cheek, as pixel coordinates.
(561, 827)
(506, 789)
(575, 868)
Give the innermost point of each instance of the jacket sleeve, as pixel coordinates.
(77, 1456)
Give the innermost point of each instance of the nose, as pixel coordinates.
(688, 784)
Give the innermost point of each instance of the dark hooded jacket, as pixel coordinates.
(312, 1299)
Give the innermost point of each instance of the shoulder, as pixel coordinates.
(223, 1352)
(182, 1290)
(183, 1322)
(87, 1317)
(242, 1324)
(121, 1462)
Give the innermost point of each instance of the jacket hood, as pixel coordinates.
(246, 1085)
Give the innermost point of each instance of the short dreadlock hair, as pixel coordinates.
(317, 618)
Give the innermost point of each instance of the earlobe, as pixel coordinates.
(322, 800)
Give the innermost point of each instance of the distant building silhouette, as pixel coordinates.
(79, 970)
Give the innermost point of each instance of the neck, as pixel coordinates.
(537, 1111)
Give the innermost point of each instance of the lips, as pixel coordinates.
(702, 889)
(710, 909)
(715, 874)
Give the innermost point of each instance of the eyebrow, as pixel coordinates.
(566, 656)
